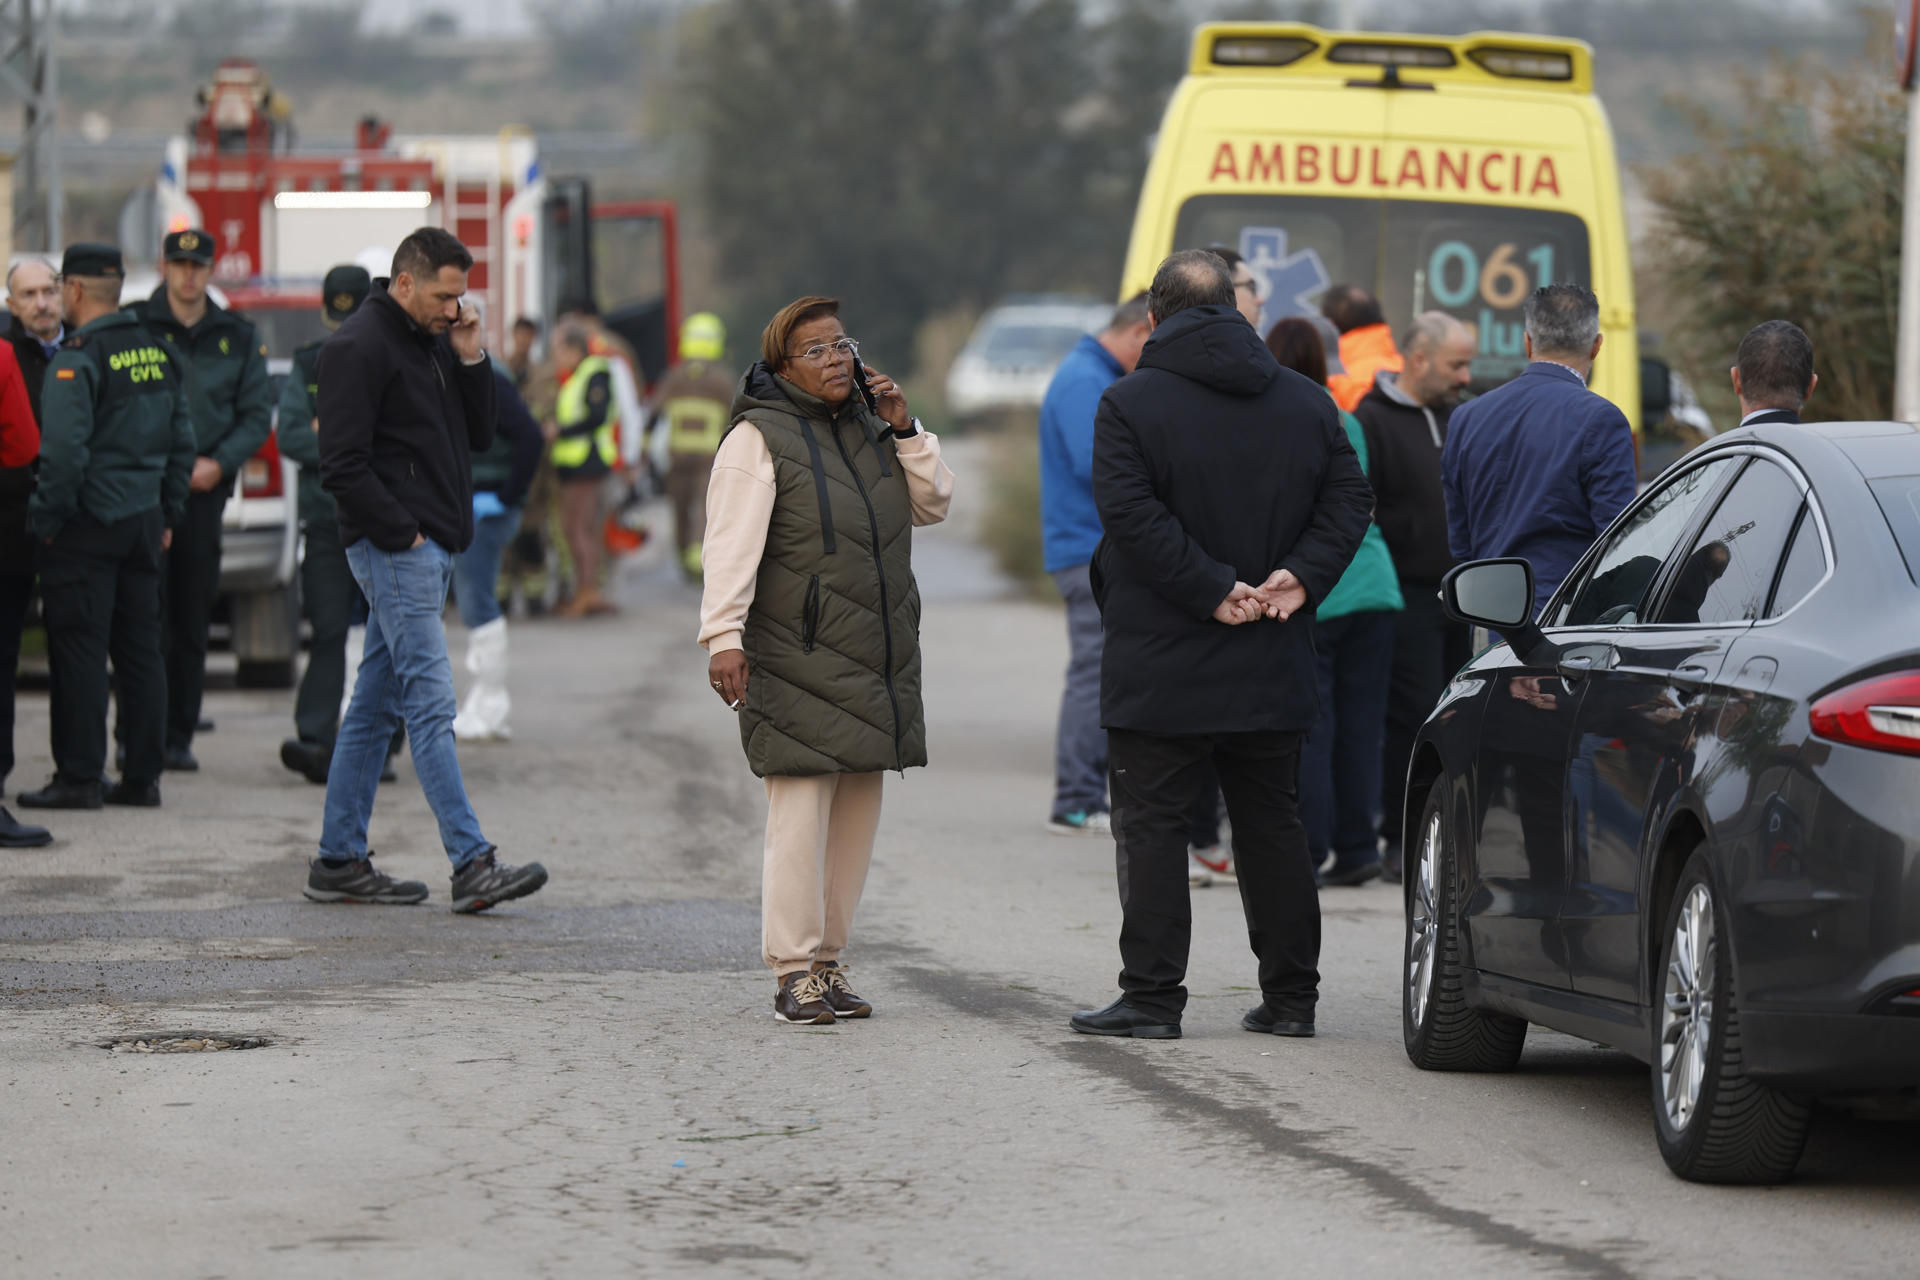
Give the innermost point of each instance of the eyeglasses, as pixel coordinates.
(827, 352)
(1251, 283)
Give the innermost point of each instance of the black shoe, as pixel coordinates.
(1390, 864)
(180, 760)
(308, 759)
(359, 882)
(386, 771)
(1122, 1019)
(485, 883)
(17, 835)
(62, 793)
(205, 725)
(1263, 1018)
(138, 795)
(1349, 876)
(119, 759)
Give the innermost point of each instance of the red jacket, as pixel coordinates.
(19, 433)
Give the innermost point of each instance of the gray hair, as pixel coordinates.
(1431, 328)
(1130, 314)
(52, 271)
(1187, 279)
(1563, 320)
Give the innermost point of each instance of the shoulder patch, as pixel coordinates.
(226, 348)
(263, 348)
(64, 375)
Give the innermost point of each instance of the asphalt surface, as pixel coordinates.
(590, 1082)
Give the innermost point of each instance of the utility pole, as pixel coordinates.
(29, 67)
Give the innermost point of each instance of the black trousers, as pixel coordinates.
(100, 591)
(330, 596)
(187, 592)
(1428, 647)
(1153, 781)
(16, 589)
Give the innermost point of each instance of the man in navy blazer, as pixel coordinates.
(1539, 467)
(1773, 373)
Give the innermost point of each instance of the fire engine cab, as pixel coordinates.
(284, 214)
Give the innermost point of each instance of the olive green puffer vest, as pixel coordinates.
(833, 637)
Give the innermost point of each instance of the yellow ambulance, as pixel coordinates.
(1442, 173)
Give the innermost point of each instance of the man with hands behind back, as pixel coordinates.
(1232, 502)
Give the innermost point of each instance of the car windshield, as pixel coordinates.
(1028, 344)
(1477, 262)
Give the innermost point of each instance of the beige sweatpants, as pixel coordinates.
(819, 841)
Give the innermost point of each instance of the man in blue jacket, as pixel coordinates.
(1539, 467)
(1070, 526)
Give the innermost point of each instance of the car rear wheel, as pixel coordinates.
(1443, 1032)
(1712, 1122)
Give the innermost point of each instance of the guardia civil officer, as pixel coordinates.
(232, 406)
(328, 592)
(116, 454)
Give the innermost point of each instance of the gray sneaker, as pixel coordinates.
(359, 882)
(485, 883)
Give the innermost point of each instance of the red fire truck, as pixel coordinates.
(284, 214)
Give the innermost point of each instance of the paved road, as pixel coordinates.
(590, 1083)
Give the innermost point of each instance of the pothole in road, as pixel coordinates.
(182, 1042)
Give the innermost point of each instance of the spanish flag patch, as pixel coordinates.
(64, 375)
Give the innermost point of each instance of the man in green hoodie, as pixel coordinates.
(232, 408)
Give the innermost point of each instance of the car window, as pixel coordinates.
(1899, 499)
(1615, 591)
(1805, 564)
(1728, 571)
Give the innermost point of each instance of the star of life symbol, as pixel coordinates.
(1287, 281)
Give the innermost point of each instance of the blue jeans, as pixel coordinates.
(404, 678)
(1080, 746)
(1340, 767)
(476, 571)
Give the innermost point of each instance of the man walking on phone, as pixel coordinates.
(406, 398)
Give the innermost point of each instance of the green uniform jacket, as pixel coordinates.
(1370, 584)
(115, 435)
(228, 392)
(298, 396)
(833, 635)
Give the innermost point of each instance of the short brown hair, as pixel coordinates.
(1296, 344)
(779, 331)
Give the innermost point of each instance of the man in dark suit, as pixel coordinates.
(1214, 469)
(1773, 373)
(1538, 467)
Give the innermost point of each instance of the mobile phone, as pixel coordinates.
(866, 390)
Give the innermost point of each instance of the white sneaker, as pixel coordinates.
(1218, 859)
(1199, 875)
(1082, 824)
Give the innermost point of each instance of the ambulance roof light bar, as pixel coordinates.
(1485, 58)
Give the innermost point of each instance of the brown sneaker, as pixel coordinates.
(802, 998)
(840, 997)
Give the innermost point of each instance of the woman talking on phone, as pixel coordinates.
(811, 620)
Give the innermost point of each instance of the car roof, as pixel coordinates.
(1875, 449)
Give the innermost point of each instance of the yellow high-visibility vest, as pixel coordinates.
(573, 451)
(695, 424)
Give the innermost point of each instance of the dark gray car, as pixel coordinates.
(1681, 814)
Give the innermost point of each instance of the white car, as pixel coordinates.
(1015, 348)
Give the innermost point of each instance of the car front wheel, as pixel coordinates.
(1443, 1032)
(1712, 1122)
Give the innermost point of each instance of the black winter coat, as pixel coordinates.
(1403, 459)
(402, 420)
(1211, 465)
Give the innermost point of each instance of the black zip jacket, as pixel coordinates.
(1403, 462)
(402, 419)
(1211, 465)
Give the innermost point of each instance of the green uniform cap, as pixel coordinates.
(92, 261)
(345, 288)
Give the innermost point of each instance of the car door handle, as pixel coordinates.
(1688, 680)
(1575, 666)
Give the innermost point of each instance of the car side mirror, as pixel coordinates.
(1490, 593)
(1656, 391)
(1498, 595)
